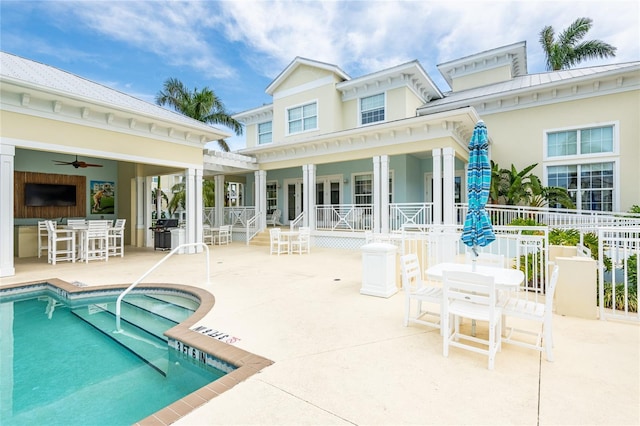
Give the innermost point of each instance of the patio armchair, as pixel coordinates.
(541, 313)
(278, 244)
(415, 289)
(474, 296)
(274, 218)
(207, 234)
(223, 236)
(301, 244)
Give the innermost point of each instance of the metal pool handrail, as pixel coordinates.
(153, 268)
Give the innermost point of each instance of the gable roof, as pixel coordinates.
(297, 62)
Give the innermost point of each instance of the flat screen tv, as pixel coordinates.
(45, 194)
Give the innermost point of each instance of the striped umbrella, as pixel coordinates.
(478, 231)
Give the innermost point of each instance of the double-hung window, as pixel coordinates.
(372, 109)
(264, 132)
(363, 188)
(581, 161)
(272, 197)
(302, 118)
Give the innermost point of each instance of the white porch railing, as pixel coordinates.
(523, 247)
(621, 249)
(253, 227)
(344, 217)
(404, 214)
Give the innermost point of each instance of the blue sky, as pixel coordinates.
(238, 47)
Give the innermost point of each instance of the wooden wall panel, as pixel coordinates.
(21, 211)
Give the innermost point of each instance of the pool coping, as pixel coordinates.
(246, 364)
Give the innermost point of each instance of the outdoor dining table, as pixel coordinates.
(506, 279)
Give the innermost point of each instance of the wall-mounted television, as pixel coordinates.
(45, 194)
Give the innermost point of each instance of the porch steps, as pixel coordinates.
(262, 239)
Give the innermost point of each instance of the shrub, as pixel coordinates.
(632, 300)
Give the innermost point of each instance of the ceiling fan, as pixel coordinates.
(76, 163)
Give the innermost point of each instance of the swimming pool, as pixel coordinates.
(60, 365)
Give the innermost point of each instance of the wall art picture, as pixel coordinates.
(102, 197)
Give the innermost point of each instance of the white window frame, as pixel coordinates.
(384, 94)
(582, 159)
(273, 183)
(391, 184)
(302, 105)
(258, 133)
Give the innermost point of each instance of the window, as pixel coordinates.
(580, 142)
(272, 197)
(363, 189)
(303, 118)
(372, 109)
(264, 132)
(590, 183)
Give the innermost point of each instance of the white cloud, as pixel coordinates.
(362, 37)
(177, 32)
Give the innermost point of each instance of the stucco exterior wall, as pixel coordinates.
(518, 136)
(481, 78)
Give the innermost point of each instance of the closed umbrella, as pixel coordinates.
(478, 231)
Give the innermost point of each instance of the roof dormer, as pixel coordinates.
(489, 67)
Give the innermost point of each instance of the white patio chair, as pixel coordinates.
(61, 244)
(486, 259)
(207, 234)
(301, 244)
(416, 289)
(74, 223)
(277, 243)
(274, 218)
(95, 241)
(116, 238)
(473, 296)
(43, 236)
(223, 236)
(541, 313)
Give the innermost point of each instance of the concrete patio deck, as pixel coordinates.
(343, 358)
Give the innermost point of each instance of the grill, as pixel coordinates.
(162, 233)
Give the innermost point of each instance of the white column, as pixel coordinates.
(437, 185)
(198, 225)
(191, 207)
(260, 177)
(7, 157)
(219, 187)
(306, 184)
(375, 227)
(448, 185)
(140, 224)
(310, 216)
(384, 194)
(148, 197)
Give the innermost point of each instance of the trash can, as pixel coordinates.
(379, 269)
(177, 238)
(576, 289)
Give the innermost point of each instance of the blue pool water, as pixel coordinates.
(63, 371)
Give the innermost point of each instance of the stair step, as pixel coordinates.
(162, 306)
(146, 346)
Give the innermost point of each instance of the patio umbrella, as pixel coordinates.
(478, 231)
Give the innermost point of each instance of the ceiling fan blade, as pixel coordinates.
(62, 163)
(84, 165)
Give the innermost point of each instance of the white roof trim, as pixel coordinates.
(513, 54)
(303, 61)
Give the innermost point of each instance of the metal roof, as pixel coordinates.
(31, 74)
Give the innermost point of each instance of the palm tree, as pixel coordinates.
(179, 195)
(568, 50)
(202, 105)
